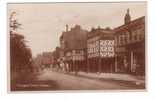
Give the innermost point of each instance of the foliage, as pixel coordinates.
(20, 54)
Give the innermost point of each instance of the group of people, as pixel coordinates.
(61, 66)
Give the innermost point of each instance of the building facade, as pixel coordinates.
(73, 46)
(100, 50)
(106, 50)
(43, 60)
(130, 46)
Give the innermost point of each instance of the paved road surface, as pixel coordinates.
(71, 82)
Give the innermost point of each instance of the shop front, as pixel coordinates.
(130, 59)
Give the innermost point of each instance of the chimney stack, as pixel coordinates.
(127, 17)
(66, 28)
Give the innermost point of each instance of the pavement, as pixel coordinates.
(114, 76)
(89, 81)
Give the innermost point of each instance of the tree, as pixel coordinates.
(20, 53)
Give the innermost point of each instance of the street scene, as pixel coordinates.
(77, 46)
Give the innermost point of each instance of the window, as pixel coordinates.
(118, 40)
(116, 43)
(121, 40)
(135, 35)
(77, 51)
(127, 37)
(141, 37)
(140, 34)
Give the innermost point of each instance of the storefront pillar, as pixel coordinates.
(88, 65)
(99, 65)
(132, 59)
(116, 68)
(73, 66)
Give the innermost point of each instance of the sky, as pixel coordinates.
(43, 23)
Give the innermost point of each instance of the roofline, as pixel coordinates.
(140, 18)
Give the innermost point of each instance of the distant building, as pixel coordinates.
(130, 45)
(45, 59)
(100, 50)
(73, 46)
(56, 54)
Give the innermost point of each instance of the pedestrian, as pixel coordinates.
(126, 65)
(67, 67)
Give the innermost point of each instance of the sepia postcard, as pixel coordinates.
(77, 46)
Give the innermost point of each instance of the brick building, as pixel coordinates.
(130, 45)
(73, 46)
(106, 50)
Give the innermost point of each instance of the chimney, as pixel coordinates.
(127, 18)
(66, 28)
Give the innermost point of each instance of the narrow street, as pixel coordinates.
(72, 82)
